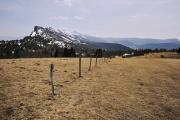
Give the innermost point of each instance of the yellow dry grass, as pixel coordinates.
(163, 55)
(123, 89)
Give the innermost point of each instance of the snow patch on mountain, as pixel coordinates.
(57, 37)
(33, 34)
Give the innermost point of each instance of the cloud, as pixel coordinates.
(140, 16)
(134, 16)
(68, 3)
(78, 18)
(58, 18)
(64, 18)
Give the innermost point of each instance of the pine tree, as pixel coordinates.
(72, 52)
(56, 53)
(178, 50)
(65, 53)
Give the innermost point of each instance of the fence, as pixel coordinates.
(74, 67)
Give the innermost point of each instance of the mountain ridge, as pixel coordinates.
(47, 42)
(135, 42)
(76, 39)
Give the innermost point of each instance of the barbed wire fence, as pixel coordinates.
(80, 66)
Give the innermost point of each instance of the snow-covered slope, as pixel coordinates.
(45, 39)
(57, 37)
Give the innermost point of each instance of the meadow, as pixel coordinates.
(138, 88)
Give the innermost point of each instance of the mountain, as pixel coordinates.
(146, 43)
(62, 39)
(109, 46)
(46, 42)
(89, 40)
(167, 46)
(44, 37)
(59, 38)
(143, 41)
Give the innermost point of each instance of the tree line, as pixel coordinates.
(40, 47)
(30, 47)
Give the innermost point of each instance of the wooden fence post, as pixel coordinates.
(90, 64)
(52, 78)
(80, 65)
(96, 61)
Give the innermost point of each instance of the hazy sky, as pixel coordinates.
(112, 18)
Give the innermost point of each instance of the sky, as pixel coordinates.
(104, 18)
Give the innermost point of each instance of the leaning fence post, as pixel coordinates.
(79, 65)
(90, 64)
(52, 78)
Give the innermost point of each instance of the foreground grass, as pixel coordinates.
(135, 88)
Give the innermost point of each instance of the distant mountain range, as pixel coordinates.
(63, 39)
(45, 37)
(145, 43)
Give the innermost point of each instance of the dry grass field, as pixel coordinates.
(171, 55)
(122, 89)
